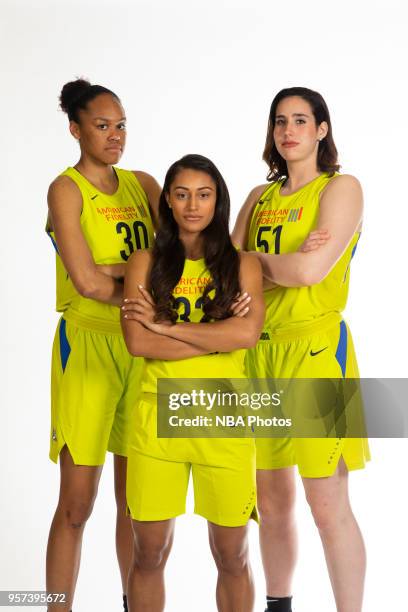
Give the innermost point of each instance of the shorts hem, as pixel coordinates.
(276, 466)
(152, 517)
(237, 522)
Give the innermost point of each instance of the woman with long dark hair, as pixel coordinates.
(305, 336)
(194, 275)
(98, 215)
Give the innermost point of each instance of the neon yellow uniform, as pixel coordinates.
(304, 334)
(158, 468)
(94, 381)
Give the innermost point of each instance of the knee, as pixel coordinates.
(276, 509)
(77, 511)
(326, 514)
(231, 561)
(150, 557)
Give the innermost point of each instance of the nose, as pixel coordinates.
(192, 202)
(114, 135)
(288, 128)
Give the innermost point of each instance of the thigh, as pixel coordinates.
(87, 384)
(225, 485)
(79, 483)
(156, 488)
(132, 368)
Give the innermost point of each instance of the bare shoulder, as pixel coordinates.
(63, 187)
(256, 193)
(140, 259)
(249, 262)
(343, 183)
(146, 180)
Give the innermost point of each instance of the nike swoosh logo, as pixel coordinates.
(314, 353)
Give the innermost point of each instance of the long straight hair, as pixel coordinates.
(221, 258)
(327, 152)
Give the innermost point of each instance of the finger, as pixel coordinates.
(241, 306)
(147, 296)
(242, 313)
(240, 297)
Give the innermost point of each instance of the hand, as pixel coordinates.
(240, 306)
(314, 241)
(143, 310)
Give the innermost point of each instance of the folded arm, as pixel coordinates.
(341, 212)
(234, 332)
(140, 341)
(89, 279)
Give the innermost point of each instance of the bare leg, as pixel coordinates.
(78, 489)
(277, 529)
(341, 537)
(235, 589)
(124, 534)
(152, 545)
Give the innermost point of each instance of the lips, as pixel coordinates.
(289, 144)
(192, 218)
(114, 148)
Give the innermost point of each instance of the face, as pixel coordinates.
(295, 133)
(192, 198)
(101, 130)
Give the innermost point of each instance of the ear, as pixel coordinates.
(322, 130)
(74, 129)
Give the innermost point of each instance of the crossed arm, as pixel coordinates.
(97, 282)
(341, 211)
(146, 338)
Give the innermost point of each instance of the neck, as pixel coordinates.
(96, 171)
(193, 245)
(300, 173)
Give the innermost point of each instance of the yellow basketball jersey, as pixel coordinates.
(279, 224)
(114, 226)
(188, 294)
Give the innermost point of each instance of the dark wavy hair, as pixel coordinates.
(76, 95)
(221, 258)
(327, 152)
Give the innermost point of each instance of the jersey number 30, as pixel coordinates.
(139, 237)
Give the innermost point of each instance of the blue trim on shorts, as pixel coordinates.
(65, 348)
(341, 352)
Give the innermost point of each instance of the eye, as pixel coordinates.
(122, 126)
(279, 121)
(204, 195)
(180, 195)
(102, 126)
(300, 121)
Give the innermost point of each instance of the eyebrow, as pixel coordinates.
(188, 188)
(293, 115)
(106, 119)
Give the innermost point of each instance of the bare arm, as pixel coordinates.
(142, 342)
(153, 190)
(239, 234)
(65, 206)
(233, 333)
(341, 211)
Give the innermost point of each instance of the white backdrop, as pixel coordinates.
(197, 77)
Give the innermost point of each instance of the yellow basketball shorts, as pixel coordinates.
(95, 385)
(323, 349)
(158, 472)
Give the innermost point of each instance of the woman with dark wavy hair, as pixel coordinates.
(190, 327)
(303, 227)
